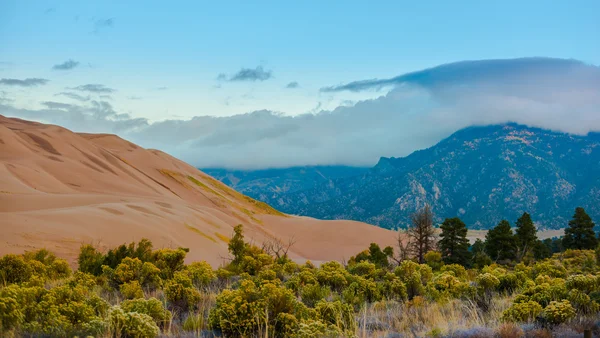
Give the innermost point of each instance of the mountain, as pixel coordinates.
(481, 174)
(60, 189)
(269, 184)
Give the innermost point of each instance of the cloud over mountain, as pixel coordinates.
(418, 110)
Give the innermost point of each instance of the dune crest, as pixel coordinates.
(59, 189)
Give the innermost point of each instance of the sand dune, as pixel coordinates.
(59, 189)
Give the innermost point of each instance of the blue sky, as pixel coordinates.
(160, 61)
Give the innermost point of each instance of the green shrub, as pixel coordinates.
(132, 290)
(180, 292)
(312, 293)
(169, 261)
(201, 274)
(252, 308)
(559, 312)
(434, 260)
(14, 269)
(90, 260)
(522, 312)
(151, 307)
(132, 324)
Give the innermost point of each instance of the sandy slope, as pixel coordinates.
(59, 189)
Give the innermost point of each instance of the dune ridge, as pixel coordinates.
(60, 189)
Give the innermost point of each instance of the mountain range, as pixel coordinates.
(482, 174)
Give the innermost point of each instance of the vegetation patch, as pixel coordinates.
(222, 237)
(198, 231)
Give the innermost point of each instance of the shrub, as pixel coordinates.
(559, 312)
(180, 292)
(522, 312)
(312, 293)
(201, 274)
(251, 308)
(132, 324)
(169, 261)
(90, 260)
(434, 260)
(151, 307)
(14, 269)
(132, 290)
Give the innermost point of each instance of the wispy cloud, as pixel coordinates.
(292, 85)
(57, 105)
(74, 96)
(248, 74)
(101, 24)
(29, 82)
(95, 88)
(67, 65)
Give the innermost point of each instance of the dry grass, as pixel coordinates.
(422, 318)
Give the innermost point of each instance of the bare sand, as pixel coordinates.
(59, 190)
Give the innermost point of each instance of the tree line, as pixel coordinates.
(501, 245)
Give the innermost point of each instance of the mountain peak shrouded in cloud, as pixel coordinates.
(418, 110)
(67, 65)
(29, 82)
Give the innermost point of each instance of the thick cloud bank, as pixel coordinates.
(420, 109)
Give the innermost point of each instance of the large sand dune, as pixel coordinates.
(59, 189)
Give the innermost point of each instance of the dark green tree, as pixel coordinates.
(526, 235)
(478, 246)
(501, 243)
(454, 244)
(541, 250)
(580, 233)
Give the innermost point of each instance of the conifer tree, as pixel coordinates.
(580, 232)
(422, 233)
(501, 243)
(454, 244)
(526, 235)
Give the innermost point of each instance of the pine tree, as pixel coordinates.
(422, 233)
(526, 235)
(580, 233)
(454, 244)
(500, 242)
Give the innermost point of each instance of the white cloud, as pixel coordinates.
(420, 109)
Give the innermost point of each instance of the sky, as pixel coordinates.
(263, 84)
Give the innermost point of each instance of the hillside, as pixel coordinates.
(59, 189)
(481, 174)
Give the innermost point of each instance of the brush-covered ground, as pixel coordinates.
(137, 291)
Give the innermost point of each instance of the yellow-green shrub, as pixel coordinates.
(201, 274)
(180, 292)
(132, 324)
(151, 307)
(14, 269)
(559, 312)
(522, 312)
(132, 290)
(251, 307)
